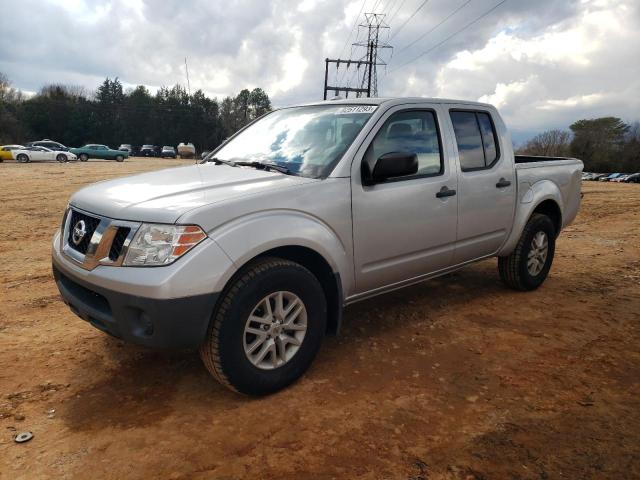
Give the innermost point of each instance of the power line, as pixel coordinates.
(355, 24)
(436, 26)
(386, 10)
(450, 36)
(391, 17)
(408, 19)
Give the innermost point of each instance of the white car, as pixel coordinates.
(30, 154)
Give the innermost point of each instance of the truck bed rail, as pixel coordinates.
(535, 158)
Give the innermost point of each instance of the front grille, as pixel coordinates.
(91, 223)
(118, 243)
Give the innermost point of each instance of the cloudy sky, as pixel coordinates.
(544, 63)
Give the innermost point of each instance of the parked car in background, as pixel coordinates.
(186, 150)
(50, 144)
(95, 150)
(633, 178)
(608, 178)
(620, 178)
(252, 255)
(126, 147)
(35, 154)
(597, 176)
(168, 152)
(5, 152)
(148, 151)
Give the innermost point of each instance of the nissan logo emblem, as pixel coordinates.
(79, 231)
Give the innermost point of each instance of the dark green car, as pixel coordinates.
(93, 150)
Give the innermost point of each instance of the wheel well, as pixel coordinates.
(551, 209)
(329, 280)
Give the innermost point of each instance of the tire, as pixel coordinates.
(83, 157)
(23, 158)
(62, 158)
(223, 351)
(119, 158)
(518, 270)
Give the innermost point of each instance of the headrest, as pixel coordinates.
(349, 131)
(399, 130)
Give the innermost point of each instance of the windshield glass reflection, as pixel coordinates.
(309, 141)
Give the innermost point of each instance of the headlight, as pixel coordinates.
(155, 244)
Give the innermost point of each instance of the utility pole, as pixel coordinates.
(187, 70)
(346, 90)
(368, 84)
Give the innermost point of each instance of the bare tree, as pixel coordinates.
(552, 143)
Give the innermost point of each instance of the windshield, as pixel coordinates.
(308, 141)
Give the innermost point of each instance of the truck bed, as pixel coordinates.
(536, 158)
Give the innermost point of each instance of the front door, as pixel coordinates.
(405, 227)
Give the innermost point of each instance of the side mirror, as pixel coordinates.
(393, 164)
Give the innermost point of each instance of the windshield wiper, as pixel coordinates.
(219, 161)
(266, 166)
(259, 165)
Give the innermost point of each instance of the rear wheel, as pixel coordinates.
(267, 328)
(62, 158)
(529, 264)
(83, 157)
(23, 158)
(119, 158)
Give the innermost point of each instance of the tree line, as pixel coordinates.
(605, 144)
(112, 116)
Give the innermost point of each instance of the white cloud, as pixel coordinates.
(544, 64)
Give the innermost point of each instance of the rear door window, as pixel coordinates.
(476, 139)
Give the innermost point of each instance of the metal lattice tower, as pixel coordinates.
(375, 29)
(370, 36)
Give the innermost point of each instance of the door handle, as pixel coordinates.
(445, 192)
(503, 182)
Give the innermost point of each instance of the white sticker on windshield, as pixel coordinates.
(357, 109)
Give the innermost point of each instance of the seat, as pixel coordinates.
(348, 132)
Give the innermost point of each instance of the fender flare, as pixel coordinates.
(531, 198)
(249, 236)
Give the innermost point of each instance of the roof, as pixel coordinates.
(390, 101)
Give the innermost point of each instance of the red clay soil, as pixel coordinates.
(456, 378)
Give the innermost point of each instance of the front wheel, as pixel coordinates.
(119, 158)
(529, 264)
(62, 158)
(22, 158)
(267, 328)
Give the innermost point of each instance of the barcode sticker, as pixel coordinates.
(357, 109)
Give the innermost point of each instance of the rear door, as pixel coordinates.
(402, 229)
(486, 181)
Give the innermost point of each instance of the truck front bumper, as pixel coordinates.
(160, 307)
(159, 323)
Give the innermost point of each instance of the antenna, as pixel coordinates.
(186, 67)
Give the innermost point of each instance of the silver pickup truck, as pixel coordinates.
(252, 254)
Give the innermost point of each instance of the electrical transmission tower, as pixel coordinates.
(374, 25)
(370, 35)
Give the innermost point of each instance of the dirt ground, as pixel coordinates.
(456, 378)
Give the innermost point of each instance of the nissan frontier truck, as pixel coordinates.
(251, 255)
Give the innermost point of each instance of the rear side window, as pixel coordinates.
(476, 139)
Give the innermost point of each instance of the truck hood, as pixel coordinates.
(163, 196)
